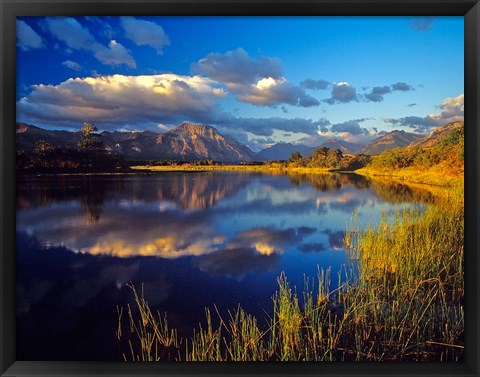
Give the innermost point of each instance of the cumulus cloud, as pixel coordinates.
(267, 126)
(76, 37)
(236, 67)
(115, 54)
(452, 107)
(314, 84)
(377, 92)
(257, 133)
(72, 65)
(342, 92)
(256, 81)
(323, 123)
(269, 129)
(452, 111)
(351, 126)
(422, 24)
(145, 33)
(118, 100)
(420, 124)
(402, 86)
(269, 92)
(27, 37)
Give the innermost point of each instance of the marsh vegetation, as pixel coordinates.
(400, 298)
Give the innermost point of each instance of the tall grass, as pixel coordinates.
(410, 286)
(155, 341)
(400, 299)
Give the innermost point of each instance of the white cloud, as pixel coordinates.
(268, 82)
(145, 33)
(72, 65)
(71, 32)
(453, 108)
(270, 92)
(118, 100)
(258, 81)
(75, 36)
(146, 102)
(237, 67)
(244, 129)
(114, 54)
(453, 111)
(27, 37)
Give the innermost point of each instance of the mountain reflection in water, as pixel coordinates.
(193, 239)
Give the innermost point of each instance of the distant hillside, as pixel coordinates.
(391, 140)
(28, 135)
(282, 151)
(186, 142)
(436, 159)
(436, 136)
(343, 145)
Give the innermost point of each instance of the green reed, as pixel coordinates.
(400, 299)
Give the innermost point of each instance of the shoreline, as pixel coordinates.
(424, 178)
(420, 178)
(242, 168)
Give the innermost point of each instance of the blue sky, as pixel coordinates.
(260, 79)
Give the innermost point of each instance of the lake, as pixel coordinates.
(193, 239)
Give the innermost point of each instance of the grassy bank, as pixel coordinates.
(268, 168)
(441, 164)
(433, 176)
(401, 299)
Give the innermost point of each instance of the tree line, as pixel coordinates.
(88, 155)
(323, 157)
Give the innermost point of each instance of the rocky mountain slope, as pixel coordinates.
(187, 142)
(435, 136)
(390, 140)
(282, 151)
(344, 146)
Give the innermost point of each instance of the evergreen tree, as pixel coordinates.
(89, 138)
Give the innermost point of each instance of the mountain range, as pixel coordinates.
(390, 140)
(187, 142)
(282, 151)
(190, 142)
(435, 136)
(344, 146)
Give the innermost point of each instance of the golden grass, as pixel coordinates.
(442, 174)
(273, 168)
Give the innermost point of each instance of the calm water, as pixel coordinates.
(193, 239)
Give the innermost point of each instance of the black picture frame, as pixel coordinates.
(10, 9)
